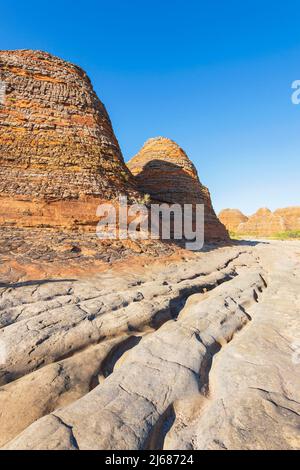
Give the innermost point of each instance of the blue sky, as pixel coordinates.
(215, 76)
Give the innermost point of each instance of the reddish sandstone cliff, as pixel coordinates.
(58, 152)
(59, 157)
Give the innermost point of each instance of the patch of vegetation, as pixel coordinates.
(288, 235)
(125, 175)
(145, 200)
(235, 236)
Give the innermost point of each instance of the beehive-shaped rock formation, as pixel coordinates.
(291, 216)
(164, 171)
(58, 151)
(232, 218)
(263, 223)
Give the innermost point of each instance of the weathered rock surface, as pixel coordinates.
(26, 400)
(39, 253)
(182, 350)
(48, 307)
(232, 218)
(291, 216)
(253, 400)
(263, 223)
(200, 355)
(58, 152)
(164, 171)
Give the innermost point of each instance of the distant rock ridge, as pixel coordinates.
(163, 170)
(264, 222)
(291, 216)
(232, 218)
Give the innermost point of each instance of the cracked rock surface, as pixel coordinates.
(198, 354)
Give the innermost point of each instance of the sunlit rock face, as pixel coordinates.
(291, 216)
(58, 151)
(263, 223)
(232, 218)
(164, 171)
(267, 223)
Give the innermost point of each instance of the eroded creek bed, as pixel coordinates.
(199, 353)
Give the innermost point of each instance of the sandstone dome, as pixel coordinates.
(291, 216)
(263, 212)
(263, 223)
(163, 170)
(232, 218)
(56, 139)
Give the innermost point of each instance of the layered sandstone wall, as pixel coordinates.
(291, 216)
(164, 171)
(59, 157)
(56, 142)
(263, 223)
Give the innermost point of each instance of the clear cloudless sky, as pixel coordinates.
(215, 76)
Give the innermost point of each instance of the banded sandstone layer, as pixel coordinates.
(175, 354)
(263, 223)
(59, 157)
(232, 218)
(164, 171)
(58, 153)
(291, 216)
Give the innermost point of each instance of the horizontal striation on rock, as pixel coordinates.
(291, 216)
(263, 223)
(56, 138)
(163, 170)
(232, 218)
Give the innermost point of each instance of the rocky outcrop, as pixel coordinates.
(164, 171)
(232, 218)
(59, 157)
(174, 357)
(188, 351)
(253, 402)
(291, 217)
(58, 152)
(40, 253)
(263, 223)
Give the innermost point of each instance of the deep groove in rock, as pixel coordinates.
(168, 419)
(70, 428)
(162, 316)
(108, 364)
(156, 437)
